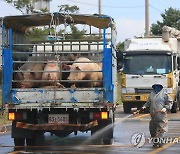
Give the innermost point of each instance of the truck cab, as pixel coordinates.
(147, 61)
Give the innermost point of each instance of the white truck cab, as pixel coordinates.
(147, 61)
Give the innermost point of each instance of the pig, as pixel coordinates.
(34, 72)
(31, 74)
(69, 58)
(89, 66)
(72, 57)
(52, 77)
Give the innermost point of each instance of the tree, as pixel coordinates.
(21, 5)
(25, 6)
(120, 46)
(68, 9)
(38, 34)
(75, 33)
(171, 18)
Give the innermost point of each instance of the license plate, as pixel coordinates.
(58, 118)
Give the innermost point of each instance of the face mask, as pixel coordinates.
(157, 89)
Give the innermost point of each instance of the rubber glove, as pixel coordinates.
(163, 110)
(143, 108)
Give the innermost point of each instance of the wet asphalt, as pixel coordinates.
(126, 126)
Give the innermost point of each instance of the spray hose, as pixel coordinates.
(137, 112)
(159, 111)
(158, 132)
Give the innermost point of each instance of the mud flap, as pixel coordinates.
(19, 132)
(103, 133)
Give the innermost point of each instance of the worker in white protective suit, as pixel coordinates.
(159, 102)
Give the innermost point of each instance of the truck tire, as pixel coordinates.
(103, 133)
(19, 141)
(127, 108)
(174, 107)
(178, 99)
(37, 140)
(19, 144)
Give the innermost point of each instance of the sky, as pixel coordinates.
(129, 15)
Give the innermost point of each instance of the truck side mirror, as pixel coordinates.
(178, 63)
(119, 56)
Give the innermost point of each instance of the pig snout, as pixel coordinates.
(74, 76)
(51, 73)
(55, 74)
(70, 78)
(25, 83)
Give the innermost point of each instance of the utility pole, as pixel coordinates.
(147, 18)
(99, 8)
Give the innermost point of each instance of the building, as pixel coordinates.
(41, 5)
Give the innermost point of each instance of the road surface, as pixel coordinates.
(126, 126)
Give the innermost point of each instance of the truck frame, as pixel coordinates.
(58, 110)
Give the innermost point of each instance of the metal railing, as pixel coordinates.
(22, 57)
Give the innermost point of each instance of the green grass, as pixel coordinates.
(4, 118)
(0, 96)
(3, 114)
(119, 88)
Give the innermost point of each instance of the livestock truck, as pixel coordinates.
(60, 110)
(147, 61)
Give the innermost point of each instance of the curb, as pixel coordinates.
(5, 128)
(142, 119)
(174, 119)
(131, 119)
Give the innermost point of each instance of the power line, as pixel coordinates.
(168, 3)
(163, 3)
(155, 8)
(115, 7)
(175, 15)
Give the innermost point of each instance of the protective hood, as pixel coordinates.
(157, 84)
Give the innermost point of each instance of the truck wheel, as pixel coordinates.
(178, 100)
(103, 133)
(19, 144)
(19, 141)
(127, 108)
(37, 140)
(174, 107)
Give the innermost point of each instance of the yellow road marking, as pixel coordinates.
(163, 147)
(144, 115)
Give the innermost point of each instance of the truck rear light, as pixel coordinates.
(11, 116)
(99, 115)
(17, 116)
(104, 115)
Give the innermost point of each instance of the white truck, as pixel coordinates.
(147, 61)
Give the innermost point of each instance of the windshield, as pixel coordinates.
(147, 64)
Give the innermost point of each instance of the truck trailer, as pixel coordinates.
(64, 107)
(150, 60)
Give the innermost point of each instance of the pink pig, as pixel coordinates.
(53, 75)
(33, 72)
(86, 65)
